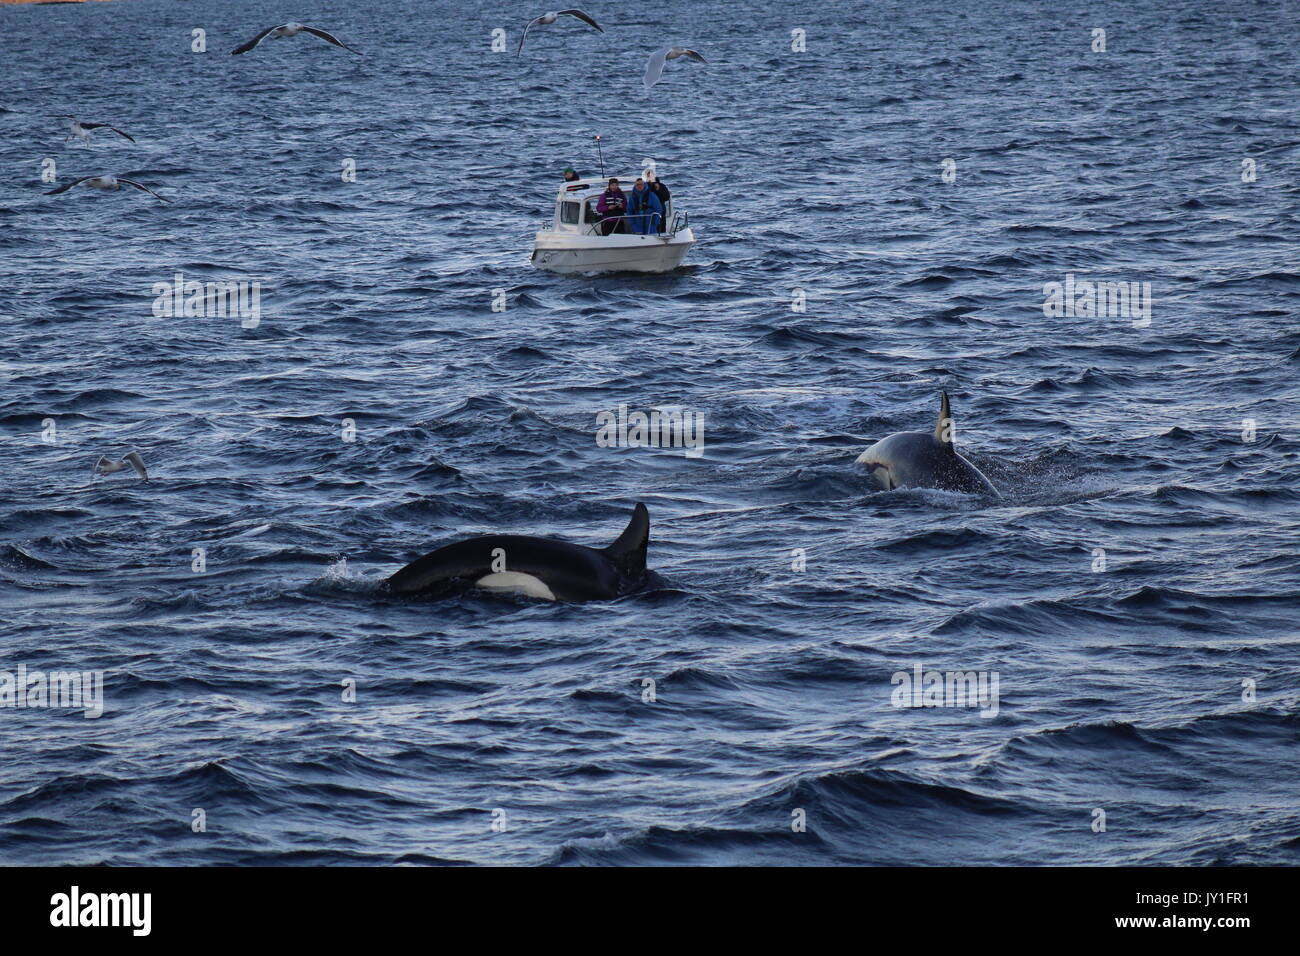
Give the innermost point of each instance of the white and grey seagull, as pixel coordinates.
(106, 465)
(548, 18)
(104, 182)
(654, 67)
(291, 30)
(81, 131)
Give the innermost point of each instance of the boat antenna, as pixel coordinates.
(601, 153)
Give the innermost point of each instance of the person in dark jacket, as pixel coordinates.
(661, 191)
(645, 210)
(613, 207)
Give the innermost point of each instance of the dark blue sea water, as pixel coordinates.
(1123, 690)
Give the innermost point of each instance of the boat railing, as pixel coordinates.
(596, 228)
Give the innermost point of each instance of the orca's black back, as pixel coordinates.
(572, 572)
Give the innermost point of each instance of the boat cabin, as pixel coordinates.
(575, 206)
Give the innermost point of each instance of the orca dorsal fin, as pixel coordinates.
(943, 428)
(628, 552)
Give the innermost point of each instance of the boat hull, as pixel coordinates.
(558, 252)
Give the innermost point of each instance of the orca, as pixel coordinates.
(537, 567)
(925, 460)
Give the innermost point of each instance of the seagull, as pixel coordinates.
(548, 18)
(106, 465)
(654, 67)
(104, 182)
(290, 30)
(81, 131)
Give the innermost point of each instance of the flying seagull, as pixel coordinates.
(81, 131)
(654, 68)
(104, 182)
(290, 30)
(548, 18)
(106, 465)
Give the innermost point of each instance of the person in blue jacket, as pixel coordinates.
(645, 209)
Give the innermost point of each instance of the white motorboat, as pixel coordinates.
(576, 240)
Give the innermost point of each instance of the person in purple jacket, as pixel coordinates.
(613, 207)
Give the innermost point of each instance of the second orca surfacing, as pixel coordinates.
(925, 460)
(537, 567)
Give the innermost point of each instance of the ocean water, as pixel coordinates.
(1135, 590)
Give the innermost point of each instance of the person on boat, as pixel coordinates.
(613, 207)
(660, 190)
(644, 209)
(572, 178)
